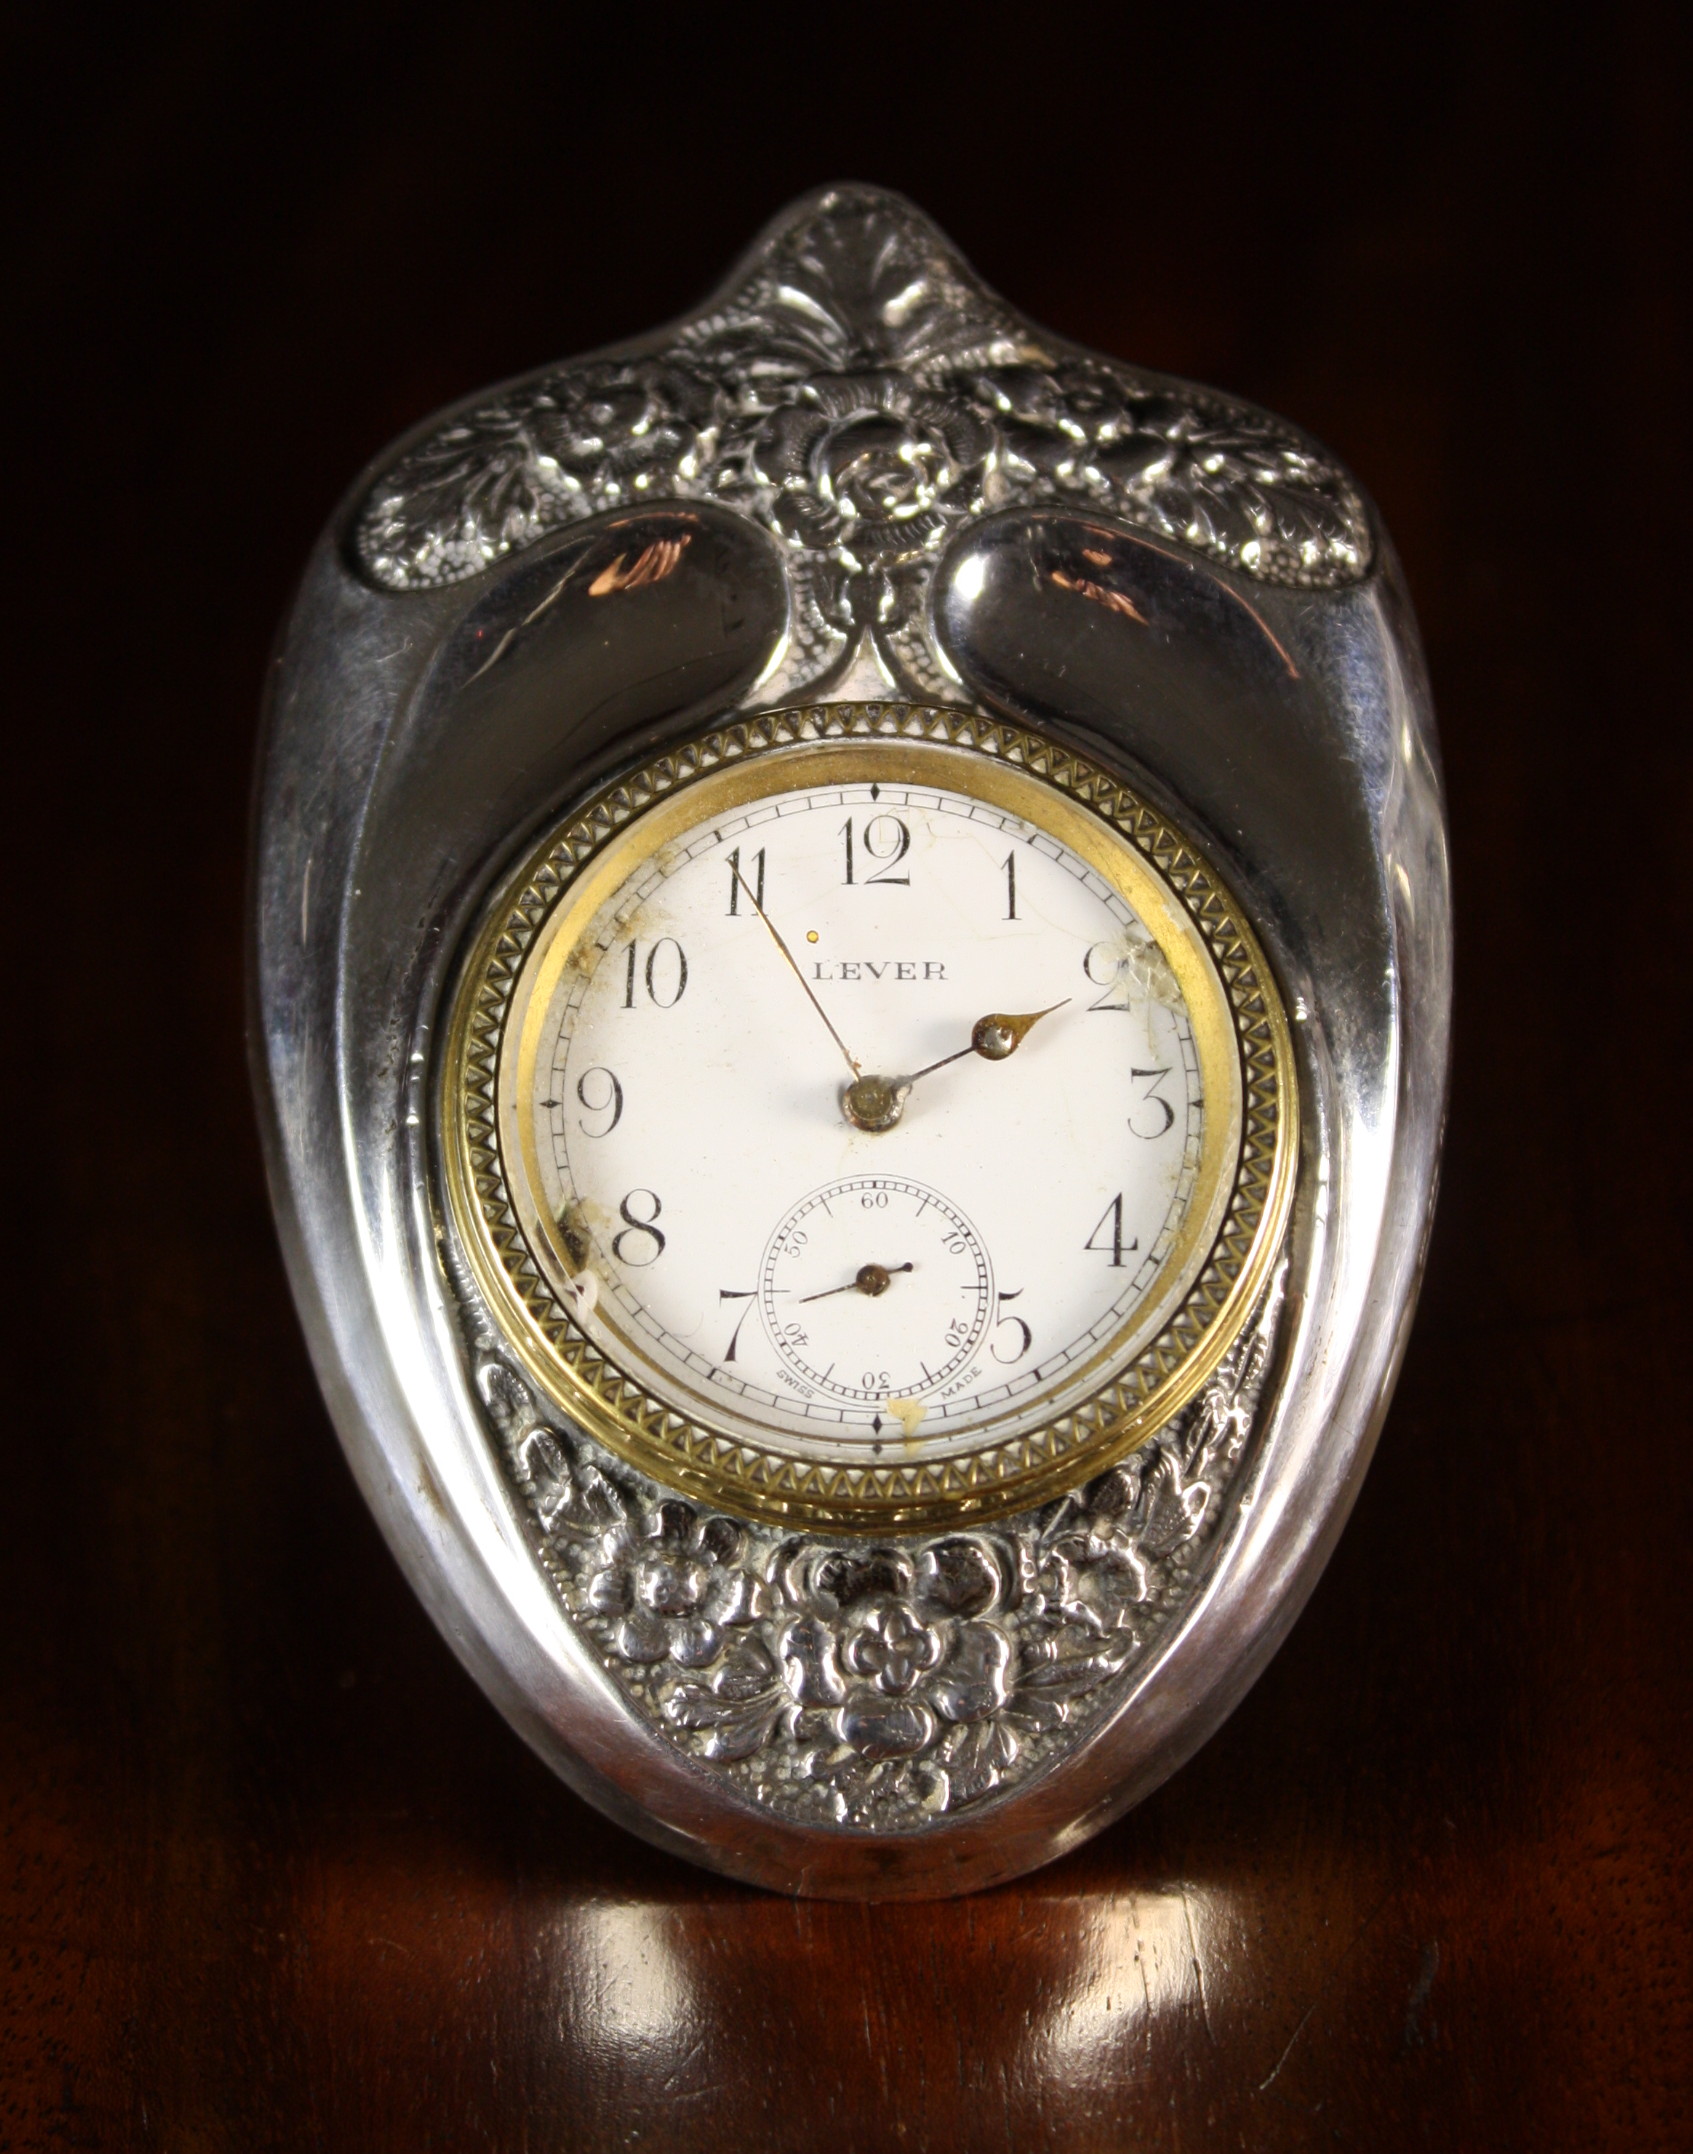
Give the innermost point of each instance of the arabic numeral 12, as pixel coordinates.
(882, 839)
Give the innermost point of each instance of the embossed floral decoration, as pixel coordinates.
(861, 395)
(881, 1685)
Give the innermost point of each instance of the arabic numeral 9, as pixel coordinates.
(609, 1103)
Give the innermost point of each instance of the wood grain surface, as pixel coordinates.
(272, 1874)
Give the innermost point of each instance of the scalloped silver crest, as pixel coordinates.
(860, 394)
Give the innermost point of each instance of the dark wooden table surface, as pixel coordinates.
(272, 1874)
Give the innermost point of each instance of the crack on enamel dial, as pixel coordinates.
(886, 1685)
(544, 1266)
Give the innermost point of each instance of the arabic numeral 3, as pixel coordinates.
(1155, 1110)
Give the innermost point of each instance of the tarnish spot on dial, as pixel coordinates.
(582, 1294)
(1150, 976)
(573, 1231)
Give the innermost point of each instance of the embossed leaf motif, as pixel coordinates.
(506, 473)
(861, 394)
(569, 1498)
(738, 1708)
(1229, 482)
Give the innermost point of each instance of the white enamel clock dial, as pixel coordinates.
(867, 1109)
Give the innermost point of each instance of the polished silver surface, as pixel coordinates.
(854, 472)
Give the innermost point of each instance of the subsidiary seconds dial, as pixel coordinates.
(884, 1331)
(854, 1116)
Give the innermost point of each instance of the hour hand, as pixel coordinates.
(876, 1103)
(995, 1036)
(852, 1061)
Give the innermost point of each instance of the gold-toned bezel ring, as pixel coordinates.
(580, 863)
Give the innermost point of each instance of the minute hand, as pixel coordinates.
(775, 936)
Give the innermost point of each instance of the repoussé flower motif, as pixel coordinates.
(871, 465)
(669, 1582)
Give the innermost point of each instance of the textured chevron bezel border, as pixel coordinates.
(679, 1450)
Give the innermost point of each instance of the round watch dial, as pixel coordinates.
(828, 1316)
(864, 1127)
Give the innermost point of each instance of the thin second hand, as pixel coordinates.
(798, 975)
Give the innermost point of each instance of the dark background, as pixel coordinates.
(272, 1874)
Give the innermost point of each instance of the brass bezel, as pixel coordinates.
(579, 861)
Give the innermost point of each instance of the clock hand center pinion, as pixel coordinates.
(798, 1299)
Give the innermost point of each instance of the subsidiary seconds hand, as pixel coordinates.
(869, 1279)
(794, 968)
